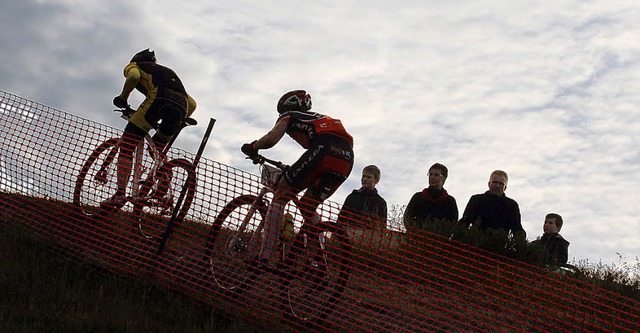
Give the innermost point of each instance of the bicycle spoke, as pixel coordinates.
(234, 240)
(312, 291)
(154, 206)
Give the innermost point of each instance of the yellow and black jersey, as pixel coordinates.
(157, 81)
(160, 85)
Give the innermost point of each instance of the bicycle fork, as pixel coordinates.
(236, 243)
(101, 175)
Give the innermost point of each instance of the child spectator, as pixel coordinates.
(556, 248)
(364, 208)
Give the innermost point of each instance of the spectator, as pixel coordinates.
(432, 202)
(365, 208)
(493, 209)
(556, 248)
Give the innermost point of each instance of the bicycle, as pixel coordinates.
(154, 186)
(311, 278)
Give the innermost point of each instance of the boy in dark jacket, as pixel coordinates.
(556, 248)
(364, 208)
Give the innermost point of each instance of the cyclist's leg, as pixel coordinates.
(288, 187)
(272, 226)
(303, 174)
(320, 190)
(125, 158)
(166, 118)
(315, 171)
(131, 137)
(317, 175)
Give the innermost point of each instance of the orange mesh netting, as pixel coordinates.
(365, 281)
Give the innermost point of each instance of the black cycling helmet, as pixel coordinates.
(296, 100)
(144, 56)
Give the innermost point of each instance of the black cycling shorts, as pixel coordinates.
(333, 155)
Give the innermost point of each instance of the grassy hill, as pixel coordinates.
(44, 289)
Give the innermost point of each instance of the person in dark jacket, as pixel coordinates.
(493, 209)
(555, 247)
(364, 208)
(432, 202)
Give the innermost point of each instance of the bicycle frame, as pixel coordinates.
(137, 166)
(155, 154)
(243, 226)
(154, 183)
(313, 266)
(270, 187)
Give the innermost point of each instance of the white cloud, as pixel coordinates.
(545, 91)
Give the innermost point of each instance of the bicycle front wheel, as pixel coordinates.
(154, 205)
(234, 239)
(97, 180)
(314, 285)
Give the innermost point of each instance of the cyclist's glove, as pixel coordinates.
(249, 149)
(120, 102)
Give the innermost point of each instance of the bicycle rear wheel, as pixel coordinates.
(311, 290)
(234, 239)
(152, 210)
(96, 181)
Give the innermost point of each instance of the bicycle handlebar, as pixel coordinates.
(259, 159)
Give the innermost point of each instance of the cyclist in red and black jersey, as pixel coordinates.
(329, 152)
(166, 104)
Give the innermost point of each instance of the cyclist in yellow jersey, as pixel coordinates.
(166, 104)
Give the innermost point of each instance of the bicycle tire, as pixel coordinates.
(91, 188)
(149, 217)
(306, 297)
(226, 263)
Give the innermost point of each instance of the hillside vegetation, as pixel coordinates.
(45, 289)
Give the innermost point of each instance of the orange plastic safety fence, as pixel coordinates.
(364, 281)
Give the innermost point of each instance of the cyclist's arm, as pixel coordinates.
(133, 76)
(191, 105)
(275, 134)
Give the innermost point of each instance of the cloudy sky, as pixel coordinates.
(545, 90)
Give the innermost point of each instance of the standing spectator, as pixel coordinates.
(556, 248)
(432, 202)
(364, 208)
(493, 209)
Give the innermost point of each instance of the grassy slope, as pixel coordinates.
(43, 291)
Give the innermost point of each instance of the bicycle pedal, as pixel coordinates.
(239, 247)
(257, 266)
(165, 204)
(113, 203)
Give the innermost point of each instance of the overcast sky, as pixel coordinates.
(546, 90)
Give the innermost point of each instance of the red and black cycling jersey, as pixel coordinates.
(307, 128)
